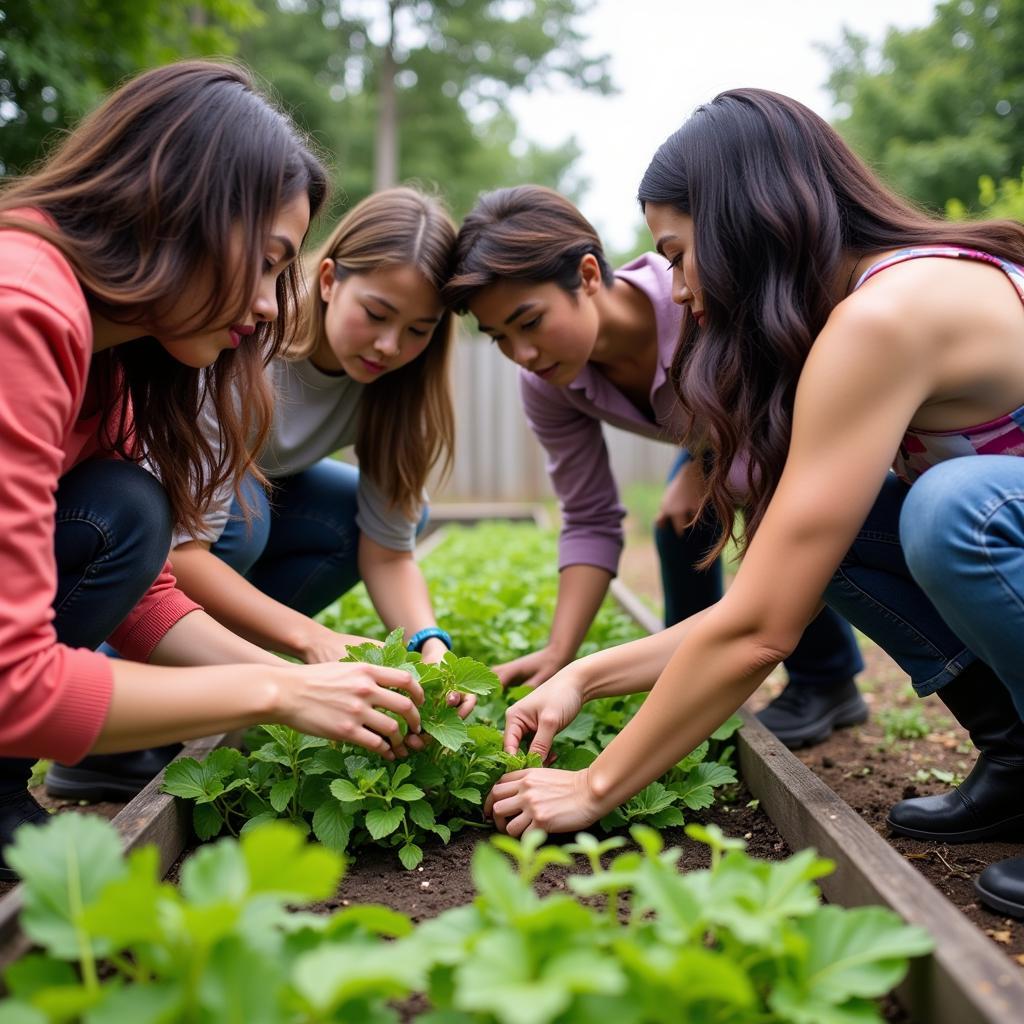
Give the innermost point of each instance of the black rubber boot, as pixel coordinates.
(1001, 886)
(16, 809)
(116, 777)
(806, 713)
(989, 803)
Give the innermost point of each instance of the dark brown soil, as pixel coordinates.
(443, 879)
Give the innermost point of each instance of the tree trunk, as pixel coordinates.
(386, 162)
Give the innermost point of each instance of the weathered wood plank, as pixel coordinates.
(966, 979)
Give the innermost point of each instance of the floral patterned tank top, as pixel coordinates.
(922, 449)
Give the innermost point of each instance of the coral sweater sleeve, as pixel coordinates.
(53, 698)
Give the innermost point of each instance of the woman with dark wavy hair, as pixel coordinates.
(864, 355)
(595, 346)
(159, 238)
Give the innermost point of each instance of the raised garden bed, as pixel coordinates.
(965, 981)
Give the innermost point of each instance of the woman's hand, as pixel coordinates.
(532, 669)
(681, 498)
(322, 644)
(544, 713)
(346, 702)
(544, 798)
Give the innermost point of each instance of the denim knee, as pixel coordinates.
(948, 511)
(127, 508)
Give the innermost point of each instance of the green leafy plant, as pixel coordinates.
(743, 941)
(906, 723)
(350, 800)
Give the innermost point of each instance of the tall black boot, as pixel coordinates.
(989, 803)
(109, 776)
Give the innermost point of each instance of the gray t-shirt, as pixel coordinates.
(315, 415)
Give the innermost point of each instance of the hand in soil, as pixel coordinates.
(543, 798)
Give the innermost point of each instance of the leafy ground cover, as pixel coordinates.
(634, 941)
(350, 800)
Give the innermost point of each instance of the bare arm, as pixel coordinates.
(246, 611)
(398, 591)
(860, 388)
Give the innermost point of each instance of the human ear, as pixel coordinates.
(590, 274)
(327, 278)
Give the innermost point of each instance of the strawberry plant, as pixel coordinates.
(743, 941)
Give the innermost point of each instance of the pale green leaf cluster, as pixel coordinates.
(638, 943)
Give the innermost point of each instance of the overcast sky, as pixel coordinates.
(667, 56)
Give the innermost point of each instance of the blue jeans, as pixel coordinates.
(301, 546)
(111, 538)
(936, 574)
(827, 652)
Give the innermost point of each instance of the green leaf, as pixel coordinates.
(422, 814)
(861, 952)
(325, 979)
(158, 1003)
(471, 676)
(14, 1012)
(35, 971)
(342, 789)
(731, 725)
(448, 729)
(207, 821)
(188, 779)
(332, 825)
(281, 793)
(383, 822)
(215, 874)
(127, 911)
(407, 792)
(371, 918)
(239, 986)
(469, 794)
(281, 862)
(410, 855)
(64, 866)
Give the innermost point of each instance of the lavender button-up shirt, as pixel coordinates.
(567, 422)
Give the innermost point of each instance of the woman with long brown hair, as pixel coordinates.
(869, 359)
(369, 368)
(159, 238)
(595, 346)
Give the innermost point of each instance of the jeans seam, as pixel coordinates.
(98, 524)
(981, 537)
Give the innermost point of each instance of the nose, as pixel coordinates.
(265, 306)
(523, 353)
(387, 343)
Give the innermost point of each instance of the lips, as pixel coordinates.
(240, 331)
(372, 366)
(546, 372)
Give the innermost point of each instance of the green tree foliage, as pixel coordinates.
(456, 63)
(59, 57)
(938, 107)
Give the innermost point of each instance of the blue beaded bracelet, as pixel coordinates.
(419, 639)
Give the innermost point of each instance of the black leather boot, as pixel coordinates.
(115, 777)
(1001, 886)
(989, 803)
(16, 809)
(806, 713)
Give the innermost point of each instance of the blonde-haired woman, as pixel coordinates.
(370, 368)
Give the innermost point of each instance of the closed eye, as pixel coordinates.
(419, 332)
(529, 325)
(675, 261)
(374, 316)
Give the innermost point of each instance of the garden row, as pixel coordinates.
(497, 585)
